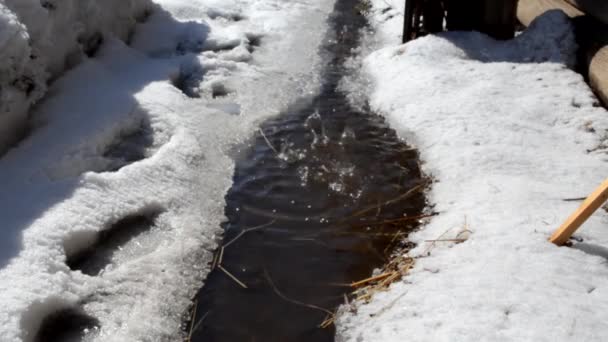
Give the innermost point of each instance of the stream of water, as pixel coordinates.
(308, 212)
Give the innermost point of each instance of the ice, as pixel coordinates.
(504, 130)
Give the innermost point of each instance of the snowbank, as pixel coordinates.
(39, 40)
(508, 132)
(136, 143)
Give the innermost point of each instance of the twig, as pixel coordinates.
(214, 263)
(198, 324)
(293, 301)
(268, 141)
(577, 199)
(276, 216)
(232, 276)
(221, 256)
(371, 279)
(407, 218)
(446, 240)
(194, 326)
(462, 232)
(428, 250)
(397, 199)
(390, 244)
(192, 320)
(390, 305)
(247, 230)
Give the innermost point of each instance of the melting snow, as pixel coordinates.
(133, 144)
(508, 131)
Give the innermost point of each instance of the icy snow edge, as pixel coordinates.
(508, 132)
(39, 40)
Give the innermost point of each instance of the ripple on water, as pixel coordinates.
(311, 194)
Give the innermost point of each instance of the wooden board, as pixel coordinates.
(591, 204)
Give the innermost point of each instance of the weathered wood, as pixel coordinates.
(528, 10)
(592, 37)
(595, 8)
(598, 73)
(591, 204)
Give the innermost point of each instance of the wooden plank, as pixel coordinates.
(591, 204)
(595, 8)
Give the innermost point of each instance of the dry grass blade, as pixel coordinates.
(401, 197)
(331, 315)
(200, 321)
(221, 256)
(432, 245)
(370, 279)
(393, 271)
(214, 262)
(192, 318)
(268, 141)
(232, 276)
(446, 240)
(393, 221)
(390, 244)
(247, 230)
(331, 319)
(195, 326)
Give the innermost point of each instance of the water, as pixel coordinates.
(312, 209)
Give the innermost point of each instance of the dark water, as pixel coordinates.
(318, 187)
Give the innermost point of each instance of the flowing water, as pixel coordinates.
(310, 211)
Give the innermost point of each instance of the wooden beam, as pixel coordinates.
(594, 8)
(598, 74)
(592, 37)
(591, 204)
(528, 10)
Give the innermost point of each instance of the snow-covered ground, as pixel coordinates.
(39, 40)
(508, 132)
(143, 129)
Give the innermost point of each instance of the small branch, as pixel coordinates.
(192, 320)
(576, 199)
(198, 323)
(268, 141)
(232, 277)
(194, 326)
(215, 259)
(446, 240)
(221, 256)
(293, 301)
(244, 231)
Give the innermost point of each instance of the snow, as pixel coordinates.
(39, 40)
(140, 129)
(507, 131)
